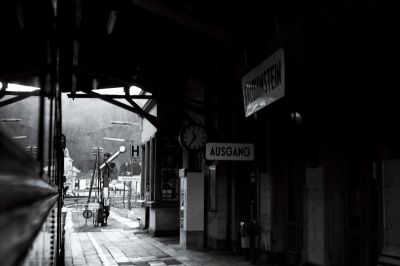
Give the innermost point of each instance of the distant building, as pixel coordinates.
(70, 173)
(82, 184)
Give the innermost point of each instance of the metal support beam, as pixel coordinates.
(152, 119)
(19, 93)
(129, 99)
(192, 104)
(139, 111)
(19, 98)
(85, 96)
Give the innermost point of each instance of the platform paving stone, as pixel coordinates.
(118, 247)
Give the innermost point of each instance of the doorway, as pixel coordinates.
(294, 182)
(361, 206)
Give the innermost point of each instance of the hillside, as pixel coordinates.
(87, 121)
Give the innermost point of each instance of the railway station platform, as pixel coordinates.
(121, 242)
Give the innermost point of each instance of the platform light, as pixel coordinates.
(133, 90)
(112, 19)
(127, 123)
(9, 120)
(21, 17)
(115, 139)
(19, 137)
(297, 118)
(124, 123)
(21, 88)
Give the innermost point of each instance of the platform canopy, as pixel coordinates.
(159, 45)
(91, 44)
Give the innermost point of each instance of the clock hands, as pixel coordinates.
(193, 139)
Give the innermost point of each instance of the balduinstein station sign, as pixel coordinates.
(264, 84)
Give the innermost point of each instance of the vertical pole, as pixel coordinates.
(91, 181)
(136, 193)
(98, 185)
(130, 182)
(41, 133)
(129, 195)
(98, 173)
(108, 182)
(123, 196)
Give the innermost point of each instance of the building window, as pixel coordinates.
(169, 172)
(147, 172)
(169, 185)
(143, 173)
(152, 167)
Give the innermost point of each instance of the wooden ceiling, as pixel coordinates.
(88, 44)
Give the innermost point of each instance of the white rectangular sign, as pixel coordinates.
(105, 192)
(264, 84)
(182, 172)
(129, 178)
(93, 205)
(230, 151)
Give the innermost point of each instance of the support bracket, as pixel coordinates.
(19, 97)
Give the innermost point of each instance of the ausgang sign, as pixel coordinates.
(230, 151)
(264, 84)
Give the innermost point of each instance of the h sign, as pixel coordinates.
(135, 151)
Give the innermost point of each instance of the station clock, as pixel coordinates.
(193, 137)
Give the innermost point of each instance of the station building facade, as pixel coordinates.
(324, 182)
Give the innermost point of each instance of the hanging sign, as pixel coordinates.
(135, 151)
(230, 151)
(264, 84)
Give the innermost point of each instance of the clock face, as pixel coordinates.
(193, 137)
